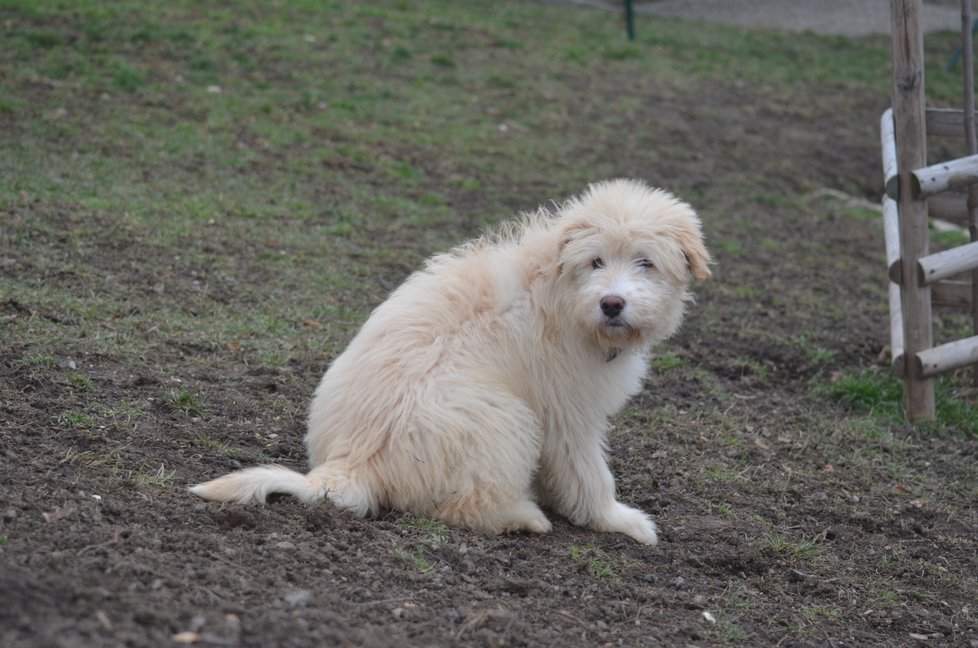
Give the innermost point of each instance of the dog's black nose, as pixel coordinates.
(612, 305)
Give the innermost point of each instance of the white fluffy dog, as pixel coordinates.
(481, 389)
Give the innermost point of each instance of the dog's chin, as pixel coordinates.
(618, 333)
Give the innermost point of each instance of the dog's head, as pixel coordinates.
(627, 254)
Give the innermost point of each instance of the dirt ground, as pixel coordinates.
(786, 519)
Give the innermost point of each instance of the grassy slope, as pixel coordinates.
(321, 129)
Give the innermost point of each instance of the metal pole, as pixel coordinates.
(630, 19)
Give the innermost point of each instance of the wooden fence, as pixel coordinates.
(916, 189)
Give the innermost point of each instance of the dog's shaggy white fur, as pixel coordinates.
(481, 389)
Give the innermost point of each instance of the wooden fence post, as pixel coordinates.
(911, 145)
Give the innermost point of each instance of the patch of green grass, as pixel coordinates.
(784, 546)
(748, 367)
(225, 448)
(120, 412)
(812, 351)
(623, 52)
(720, 473)
(443, 60)
(222, 447)
(111, 458)
(728, 631)
(415, 558)
(879, 395)
(867, 392)
(127, 78)
(74, 419)
(817, 611)
(746, 292)
(186, 401)
(887, 596)
(159, 477)
(598, 562)
(737, 597)
(772, 245)
(432, 532)
(81, 381)
(729, 246)
(723, 509)
(38, 360)
(945, 239)
(666, 362)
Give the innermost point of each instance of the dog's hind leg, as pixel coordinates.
(524, 516)
(342, 490)
(475, 513)
(469, 460)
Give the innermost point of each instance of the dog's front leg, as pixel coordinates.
(575, 480)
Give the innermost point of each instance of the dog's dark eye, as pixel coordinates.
(645, 263)
(597, 263)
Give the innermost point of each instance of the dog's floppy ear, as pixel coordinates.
(568, 233)
(690, 237)
(696, 255)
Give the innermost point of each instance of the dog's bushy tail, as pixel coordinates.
(256, 484)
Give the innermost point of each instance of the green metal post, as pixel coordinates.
(630, 19)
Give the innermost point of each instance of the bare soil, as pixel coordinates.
(785, 519)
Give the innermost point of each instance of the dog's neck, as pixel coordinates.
(613, 353)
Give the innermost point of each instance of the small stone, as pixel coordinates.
(186, 637)
(299, 598)
(285, 545)
(10, 515)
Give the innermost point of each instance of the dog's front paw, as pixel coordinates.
(630, 521)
